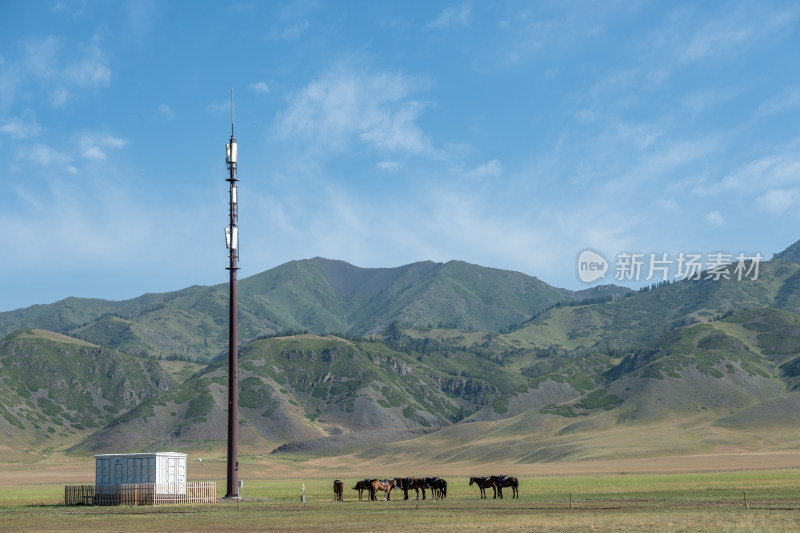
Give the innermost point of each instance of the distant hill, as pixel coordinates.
(792, 253)
(721, 386)
(640, 317)
(447, 362)
(316, 295)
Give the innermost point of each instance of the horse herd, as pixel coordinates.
(437, 486)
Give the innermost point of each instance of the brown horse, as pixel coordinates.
(506, 481)
(385, 485)
(338, 490)
(361, 486)
(483, 483)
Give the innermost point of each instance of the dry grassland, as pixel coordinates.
(64, 470)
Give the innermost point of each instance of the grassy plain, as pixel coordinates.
(698, 493)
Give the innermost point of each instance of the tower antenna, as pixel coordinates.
(232, 240)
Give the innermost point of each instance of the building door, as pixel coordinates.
(172, 472)
(117, 473)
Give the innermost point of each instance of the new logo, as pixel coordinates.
(591, 266)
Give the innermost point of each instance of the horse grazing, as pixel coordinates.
(338, 490)
(483, 483)
(361, 486)
(385, 485)
(506, 481)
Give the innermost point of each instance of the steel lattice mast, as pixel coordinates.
(232, 238)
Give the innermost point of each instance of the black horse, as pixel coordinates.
(338, 490)
(506, 481)
(411, 483)
(439, 488)
(405, 484)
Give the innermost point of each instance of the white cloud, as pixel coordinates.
(788, 99)
(453, 16)
(45, 155)
(112, 142)
(777, 201)
(292, 31)
(93, 152)
(705, 100)
(668, 204)
(717, 36)
(90, 72)
(105, 140)
(715, 218)
(643, 135)
(390, 166)
(345, 106)
(165, 111)
(769, 171)
(441, 222)
(492, 169)
(260, 87)
(660, 161)
(23, 127)
(394, 130)
(141, 17)
(42, 56)
(54, 67)
(71, 9)
(59, 96)
(60, 225)
(689, 36)
(92, 144)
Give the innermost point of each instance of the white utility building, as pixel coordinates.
(129, 468)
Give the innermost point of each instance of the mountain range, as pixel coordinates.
(447, 361)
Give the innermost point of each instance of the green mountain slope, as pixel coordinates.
(317, 295)
(698, 369)
(54, 389)
(311, 388)
(632, 321)
(716, 386)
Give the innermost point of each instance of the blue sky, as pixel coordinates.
(513, 135)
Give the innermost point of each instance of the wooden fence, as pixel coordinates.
(141, 493)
